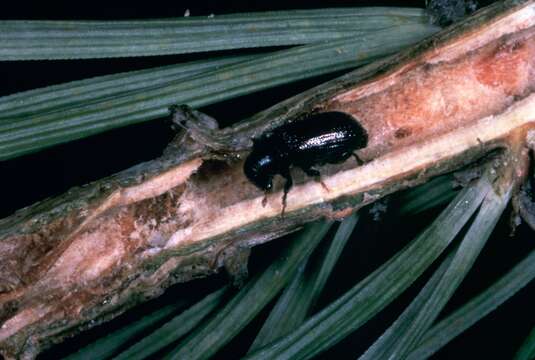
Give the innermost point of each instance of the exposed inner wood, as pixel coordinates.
(440, 96)
(87, 256)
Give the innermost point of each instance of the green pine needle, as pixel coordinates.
(527, 350)
(103, 88)
(42, 128)
(386, 343)
(407, 332)
(174, 329)
(107, 346)
(432, 194)
(476, 309)
(247, 303)
(301, 294)
(362, 302)
(39, 40)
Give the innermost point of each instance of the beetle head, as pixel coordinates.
(260, 168)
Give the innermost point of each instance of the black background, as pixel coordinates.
(50, 172)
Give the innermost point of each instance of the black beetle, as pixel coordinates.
(321, 138)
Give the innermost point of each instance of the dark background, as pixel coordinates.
(50, 172)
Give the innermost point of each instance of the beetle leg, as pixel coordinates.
(359, 160)
(264, 200)
(287, 186)
(312, 172)
(317, 176)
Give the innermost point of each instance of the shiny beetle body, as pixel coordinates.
(322, 138)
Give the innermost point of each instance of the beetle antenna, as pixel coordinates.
(284, 203)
